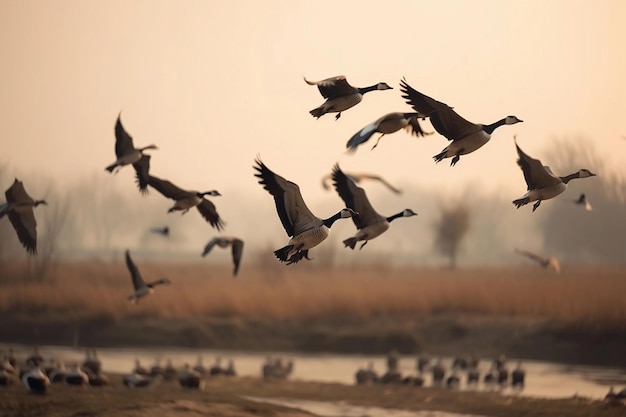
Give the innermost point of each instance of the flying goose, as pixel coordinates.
(127, 154)
(141, 288)
(542, 183)
(340, 95)
(357, 178)
(369, 223)
(466, 136)
(36, 381)
(543, 261)
(389, 123)
(305, 229)
(188, 199)
(582, 201)
(236, 245)
(19, 208)
(163, 231)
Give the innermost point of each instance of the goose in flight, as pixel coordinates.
(543, 261)
(466, 136)
(223, 242)
(358, 177)
(188, 199)
(127, 154)
(163, 231)
(141, 288)
(305, 229)
(583, 202)
(19, 207)
(340, 95)
(389, 123)
(542, 183)
(369, 223)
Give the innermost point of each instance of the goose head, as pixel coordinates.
(383, 86)
(213, 193)
(584, 173)
(511, 120)
(408, 213)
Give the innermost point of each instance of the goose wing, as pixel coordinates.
(333, 87)
(168, 189)
(123, 141)
(236, 251)
(362, 136)
(292, 211)
(142, 168)
(535, 174)
(444, 119)
(209, 212)
(354, 197)
(23, 219)
(209, 246)
(414, 127)
(378, 178)
(134, 272)
(535, 257)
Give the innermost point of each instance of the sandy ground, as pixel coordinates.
(224, 397)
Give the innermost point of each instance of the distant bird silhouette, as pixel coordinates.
(542, 183)
(141, 288)
(340, 95)
(19, 207)
(544, 261)
(369, 223)
(357, 178)
(236, 245)
(305, 229)
(184, 200)
(387, 124)
(466, 136)
(163, 231)
(127, 154)
(582, 201)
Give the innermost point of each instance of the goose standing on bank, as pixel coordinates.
(236, 245)
(466, 136)
(127, 154)
(305, 229)
(542, 183)
(19, 207)
(340, 95)
(184, 200)
(583, 202)
(543, 261)
(369, 223)
(387, 124)
(141, 288)
(358, 177)
(36, 381)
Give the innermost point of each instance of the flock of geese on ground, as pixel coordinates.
(305, 229)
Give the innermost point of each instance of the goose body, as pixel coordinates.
(387, 124)
(465, 136)
(369, 223)
(236, 245)
(191, 379)
(543, 261)
(340, 95)
(127, 154)
(36, 381)
(305, 229)
(185, 200)
(141, 288)
(19, 207)
(541, 183)
(76, 376)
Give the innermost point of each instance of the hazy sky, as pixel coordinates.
(214, 83)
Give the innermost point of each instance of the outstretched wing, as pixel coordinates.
(209, 212)
(363, 176)
(134, 272)
(166, 188)
(354, 197)
(445, 120)
(142, 173)
(210, 245)
(530, 255)
(535, 173)
(333, 87)
(237, 251)
(25, 226)
(123, 141)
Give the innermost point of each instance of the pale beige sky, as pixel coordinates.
(214, 83)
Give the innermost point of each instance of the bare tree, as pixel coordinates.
(450, 229)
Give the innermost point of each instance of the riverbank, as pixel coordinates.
(227, 397)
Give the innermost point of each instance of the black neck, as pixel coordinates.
(395, 216)
(364, 90)
(570, 177)
(329, 221)
(490, 128)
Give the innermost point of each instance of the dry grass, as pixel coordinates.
(589, 296)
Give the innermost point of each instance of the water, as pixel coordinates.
(543, 379)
